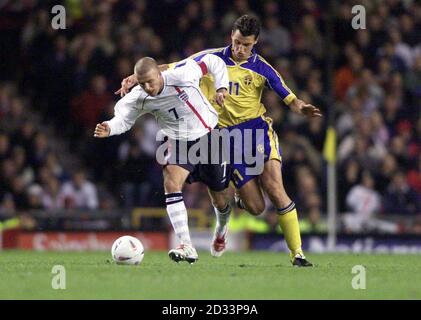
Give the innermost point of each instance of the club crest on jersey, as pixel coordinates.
(183, 96)
(248, 80)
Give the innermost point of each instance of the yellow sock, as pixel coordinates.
(289, 225)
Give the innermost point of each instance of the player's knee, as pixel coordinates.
(171, 186)
(255, 208)
(219, 203)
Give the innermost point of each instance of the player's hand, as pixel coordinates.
(126, 84)
(311, 111)
(163, 67)
(299, 106)
(220, 96)
(102, 130)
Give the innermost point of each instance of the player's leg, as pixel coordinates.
(254, 203)
(174, 178)
(272, 184)
(245, 175)
(250, 197)
(216, 174)
(222, 208)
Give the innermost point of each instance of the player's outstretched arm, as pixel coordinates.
(308, 110)
(126, 112)
(278, 85)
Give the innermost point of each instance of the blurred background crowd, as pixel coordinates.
(55, 85)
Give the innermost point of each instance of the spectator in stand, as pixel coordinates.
(347, 75)
(391, 112)
(364, 202)
(88, 106)
(402, 50)
(298, 150)
(4, 146)
(359, 147)
(385, 172)
(7, 205)
(57, 65)
(79, 193)
(23, 169)
(414, 176)
(400, 198)
(363, 199)
(303, 66)
(348, 120)
(51, 199)
(379, 134)
(52, 163)
(351, 169)
(384, 71)
(315, 130)
(413, 79)
(133, 168)
(369, 92)
(399, 149)
(34, 196)
(388, 51)
(307, 195)
(40, 149)
(276, 37)
(15, 117)
(18, 189)
(24, 137)
(307, 36)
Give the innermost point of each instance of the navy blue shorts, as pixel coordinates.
(259, 141)
(207, 163)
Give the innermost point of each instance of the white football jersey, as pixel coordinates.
(181, 109)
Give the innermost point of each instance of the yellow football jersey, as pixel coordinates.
(246, 83)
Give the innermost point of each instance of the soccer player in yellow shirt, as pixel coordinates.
(249, 73)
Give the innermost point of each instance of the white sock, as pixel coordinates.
(222, 219)
(177, 213)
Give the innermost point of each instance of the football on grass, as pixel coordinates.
(127, 250)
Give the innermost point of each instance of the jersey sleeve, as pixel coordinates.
(196, 56)
(184, 73)
(191, 71)
(276, 83)
(217, 67)
(126, 111)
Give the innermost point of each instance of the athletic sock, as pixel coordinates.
(222, 219)
(177, 213)
(288, 220)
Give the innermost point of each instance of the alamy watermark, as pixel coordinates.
(359, 20)
(359, 280)
(58, 281)
(219, 146)
(59, 20)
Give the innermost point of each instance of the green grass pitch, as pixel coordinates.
(251, 275)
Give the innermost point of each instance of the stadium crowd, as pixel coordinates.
(57, 84)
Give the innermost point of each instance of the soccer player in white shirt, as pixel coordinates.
(185, 116)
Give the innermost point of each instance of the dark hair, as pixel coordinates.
(247, 25)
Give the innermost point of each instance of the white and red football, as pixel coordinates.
(127, 250)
